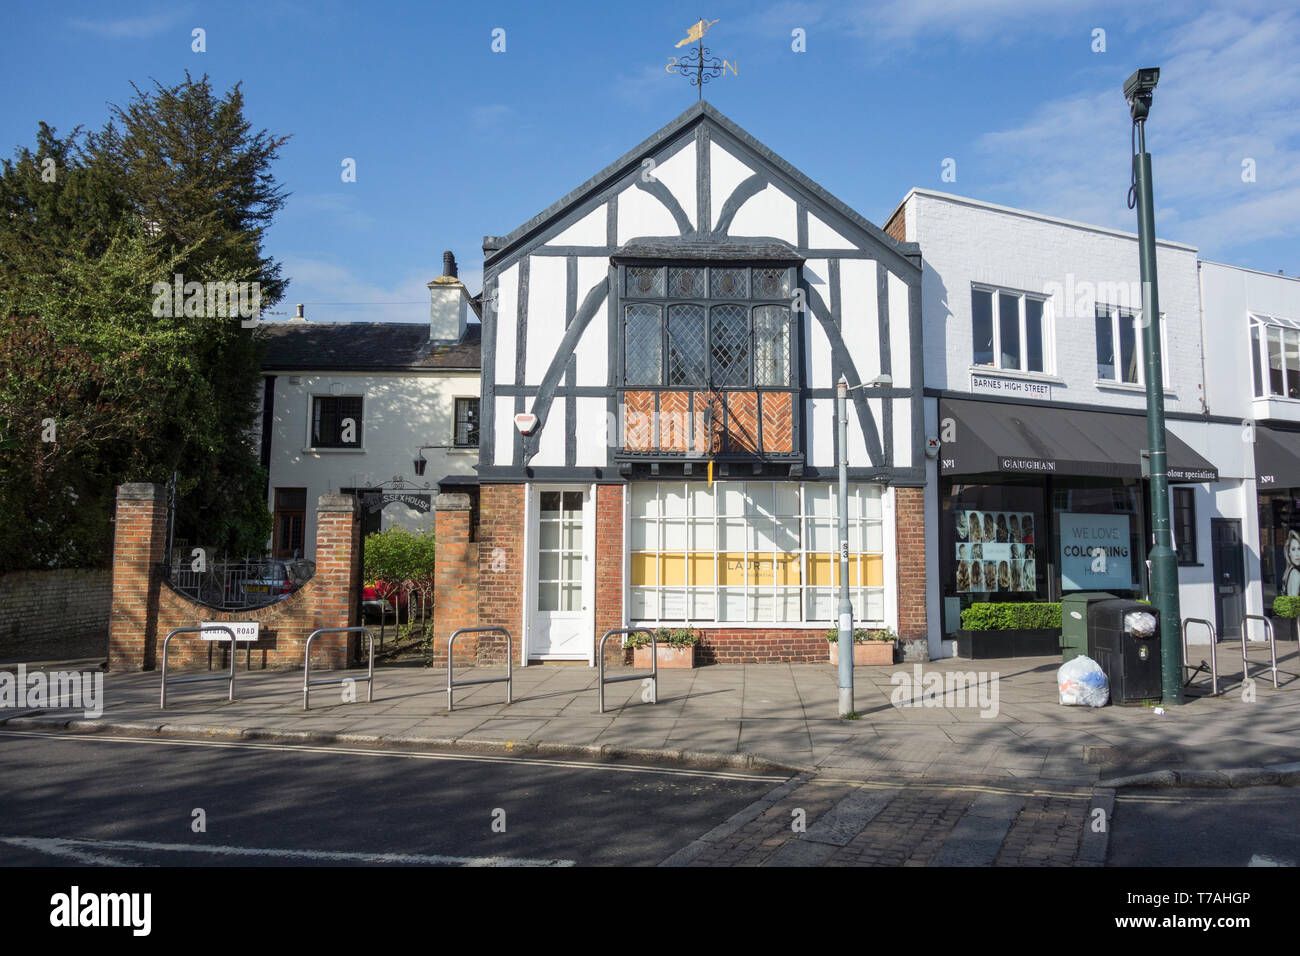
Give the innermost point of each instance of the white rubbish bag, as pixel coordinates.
(1140, 623)
(1082, 682)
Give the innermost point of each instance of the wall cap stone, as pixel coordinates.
(341, 504)
(449, 501)
(140, 491)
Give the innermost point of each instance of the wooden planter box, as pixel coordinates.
(1035, 642)
(668, 657)
(869, 654)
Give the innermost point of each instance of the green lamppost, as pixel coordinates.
(1164, 566)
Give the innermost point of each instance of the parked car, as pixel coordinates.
(278, 576)
(381, 600)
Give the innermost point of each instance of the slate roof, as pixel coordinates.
(358, 346)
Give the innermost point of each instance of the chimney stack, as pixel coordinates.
(448, 304)
(299, 317)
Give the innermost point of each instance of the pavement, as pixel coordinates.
(990, 721)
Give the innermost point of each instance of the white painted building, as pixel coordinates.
(1251, 330)
(1036, 388)
(384, 410)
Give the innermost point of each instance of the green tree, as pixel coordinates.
(175, 184)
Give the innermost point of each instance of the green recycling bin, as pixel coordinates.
(1074, 622)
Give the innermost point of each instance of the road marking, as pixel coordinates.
(406, 754)
(63, 848)
(1257, 859)
(68, 847)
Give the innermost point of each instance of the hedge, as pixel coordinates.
(1008, 616)
(1285, 605)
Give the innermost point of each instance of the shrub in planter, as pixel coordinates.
(675, 647)
(871, 647)
(1009, 629)
(1286, 608)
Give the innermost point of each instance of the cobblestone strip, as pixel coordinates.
(908, 832)
(1047, 832)
(720, 834)
(978, 836)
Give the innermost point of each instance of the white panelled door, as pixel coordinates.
(564, 529)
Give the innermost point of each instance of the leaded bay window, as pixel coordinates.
(697, 326)
(752, 552)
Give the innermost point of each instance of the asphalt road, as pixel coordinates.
(70, 799)
(1255, 826)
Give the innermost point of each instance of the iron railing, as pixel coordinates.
(239, 585)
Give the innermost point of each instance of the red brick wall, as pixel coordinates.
(455, 593)
(145, 609)
(609, 566)
(909, 534)
(139, 538)
(896, 228)
(501, 563)
(754, 646)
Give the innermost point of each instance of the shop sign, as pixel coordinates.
(1095, 552)
(1010, 387)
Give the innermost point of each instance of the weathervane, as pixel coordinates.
(699, 66)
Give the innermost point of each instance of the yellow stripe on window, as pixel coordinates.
(787, 569)
(731, 569)
(699, 566)
(643, 570)
(819, 570)
(672, 569)
(874, 568)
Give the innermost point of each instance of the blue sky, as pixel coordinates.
(453, 141)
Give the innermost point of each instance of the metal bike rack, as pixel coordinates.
(654, 664)
(1214, 656)
(1272, 645)
(308, 683)
(508, 680)
(230, 695)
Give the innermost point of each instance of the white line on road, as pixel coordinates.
(67, 847)
(63, 848)
(407, 754)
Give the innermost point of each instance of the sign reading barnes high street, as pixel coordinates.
(993, 385)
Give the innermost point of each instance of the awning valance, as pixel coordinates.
(1028, 439)
(1277, 458)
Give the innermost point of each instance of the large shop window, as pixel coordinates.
(1011, 330)
(1097, 527)
(1275, 356)
(1279, 538)
(995, 533)
(752, 552)
(707, 327)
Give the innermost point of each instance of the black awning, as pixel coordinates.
(1277, 458)
(1029, 439)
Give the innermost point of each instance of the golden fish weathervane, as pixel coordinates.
(698, 65)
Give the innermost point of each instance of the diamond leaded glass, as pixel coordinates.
(645, 280)
(686, 345)
(771, 283)
(685, 283)
(771, 345)
(729, 283)
(641, 338)
(729, 339)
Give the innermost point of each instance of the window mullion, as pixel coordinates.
(1024, 339)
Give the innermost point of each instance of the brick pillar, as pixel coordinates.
(139, 540)
(455, 588)
(338, 562)
(609, 567)
(909, 536)
(501, 558)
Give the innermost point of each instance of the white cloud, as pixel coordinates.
(1229, 90)
(130, 28)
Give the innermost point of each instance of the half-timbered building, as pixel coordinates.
(658, 441)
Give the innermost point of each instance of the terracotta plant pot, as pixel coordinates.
(870, 654)
(683, 657)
